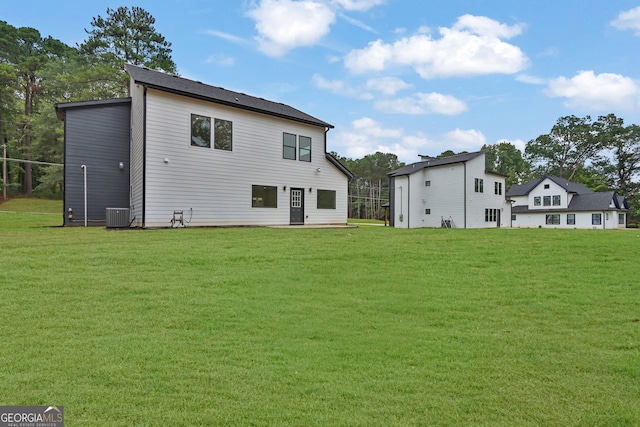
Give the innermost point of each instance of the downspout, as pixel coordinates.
(84, 173)
(408, 201)
(144, 156)
(465, 193)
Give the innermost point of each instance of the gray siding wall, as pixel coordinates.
(98, 137)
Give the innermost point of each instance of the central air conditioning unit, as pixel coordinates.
(117, 217)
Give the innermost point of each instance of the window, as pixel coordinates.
(498, 188)
(513, 217)
(546, 200)
(553, 219)
(264, 196)
(427, 183)
(491, 215)
(556, 200)
(596, 219)
(305, 149)
(479, 185)
(222, 134)
(546, 186)
(291, 142)
(427, 211)
(571, 219)
(326, 199)
(536, 201)
(200, 131)
(621, 219)
(289, 146)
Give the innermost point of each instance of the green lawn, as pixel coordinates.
(330, 327)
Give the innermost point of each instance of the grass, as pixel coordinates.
(353, 327)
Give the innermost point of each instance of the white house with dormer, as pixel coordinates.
(558, 203)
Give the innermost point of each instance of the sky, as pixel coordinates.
(409, 77)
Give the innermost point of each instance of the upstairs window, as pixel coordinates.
(222, 134)
(200, 131)
(498, 188)
(546, 201)
(292, 144)
(479, 185)
(289, 146)
(427, 183)
(556, 200)
(546, 186)
(536, 201)
(305, 148)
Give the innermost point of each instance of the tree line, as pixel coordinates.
(37, 72)
(602, 154)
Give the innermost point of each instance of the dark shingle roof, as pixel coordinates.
(194, 89)
(570, 187)
(415, 167)
(600, 201)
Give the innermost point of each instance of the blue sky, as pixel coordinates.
(400, 76)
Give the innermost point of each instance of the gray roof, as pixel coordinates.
(194, 89)
(430, 163)
(584, 199)
(61, 107)
(570, 187)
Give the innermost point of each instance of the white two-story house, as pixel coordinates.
(452, 192)
(558, 203)
(182, 152)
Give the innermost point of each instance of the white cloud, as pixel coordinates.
(532, 80)
(357, 23)
(472, 46)
(464, 140)
(359, 5)
(589, 91)
(423, 103)
(220, 60)
(226, 36)
(339, 87)
(387, 85)
(366, 136)
(629, 20)
(373, 128)
(283, 25)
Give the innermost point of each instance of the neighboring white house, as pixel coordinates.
(558, 203)
(455, 191)
(218, 157)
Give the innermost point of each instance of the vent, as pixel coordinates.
(117, 217)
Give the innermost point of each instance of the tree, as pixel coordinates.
(128, 36)
(564, 150)
(620, 162)
(506, 159)
(26, 52)
(369, 187)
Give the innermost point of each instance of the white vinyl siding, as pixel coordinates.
(216, 185)
(447, 197)
(137, 155)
